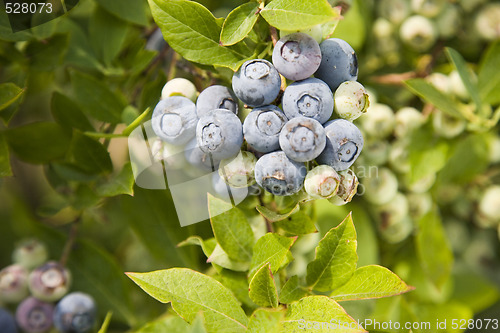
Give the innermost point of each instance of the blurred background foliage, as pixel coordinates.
(71, 89)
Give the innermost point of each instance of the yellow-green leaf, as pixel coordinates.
(262, 288)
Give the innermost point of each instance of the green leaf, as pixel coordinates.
(298, 224)
(38, 143)
(273, 216)
(433, 249)
(47, 55)
(469, 158)
(68, 114)
(474, 290)
(297, 14)
(191, 292)
(207, 246)
(458, 61)
(170, 324)
(89, 154)
(9, 93)
(239, 23)
(132, 11)
(262, 288)
(96, 99)
(431, 94)
(192, 31)
(237, 282)
(265, 320)
(221, 258)
(489, 75)
(273, 249)
(316, 311)
(107, 34)
(371, 282)
(427, 162)
(5, 169)
(352, 27)
(120, 183)
(336, 258)
(79, 52)
(292, 291)
(231, 229)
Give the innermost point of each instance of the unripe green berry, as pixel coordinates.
(399, 157)
(440, 81)
(30, 253)
(421, 185)
(171, 155)
(448, 23)
(239, 171)
(419, 204)
(394, 223)
(13, 283)
(489, 205)
(380, 187)
(348, 187)
(376, 152)
(494, 149)
(179, 87)
(408, 119)
(428, 8)
(394, 10)
(418, 33)
(322, 182)
(351, 100)
(457, 86)
(378, 122)
(487, 22)
(447, 126)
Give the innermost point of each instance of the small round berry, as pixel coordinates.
(399, 157)
(7, 322)
(308, 98)
(13, 283)
(338, 64)
(75, 313)
(322, 182)
(49, 282)
(449, 22)
(394, 10)
(239, 171)
(394, 223)
(262, 128)
(302, 139)
(278, 174)
(348, 187)
(34, 316)
(179, 87)
(378, 122)
(170, 155)
(220, 133)
(343, 145)
(440, 81)
(174, 120)
(428, 8)
(226, 191)
(198, 158)
(297, 56)
(257, 83)
(419, 204)
(30, 253)
(489, 205)
(380, 187)
(494, 148)
(487, 22)
(457, 86)
(376, 152)
(408, 119)
(216, 97)
(418, 32)
(316, 32)
(351, 100)
(447, 126)
(421, 185)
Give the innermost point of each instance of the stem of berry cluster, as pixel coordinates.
(274, 35)
(69, 242)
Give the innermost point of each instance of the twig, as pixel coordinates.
(70, 242)
(394, 79)
(274, 35)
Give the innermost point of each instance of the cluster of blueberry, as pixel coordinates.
(280, 146)
(35, 284)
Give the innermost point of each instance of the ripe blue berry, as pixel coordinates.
(338, 64)
(278, 174)
(257, 83)
(75, 313)
(302, 139)
(7, 322)
(220, 133)
(343, 146)
(13, 283)
(174, 120)
(34, 316)
(49, 282)
(30, 253)
(309, 98)
(262, 128)
(196, 157)
(297, 56)
(216, 97)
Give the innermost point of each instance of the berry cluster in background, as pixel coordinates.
(37, 289)
(295, 132)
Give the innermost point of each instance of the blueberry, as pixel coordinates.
(216, 97)
(378, 122)
(34, 316)
(262, 128)
(393, 221)
(418, 32)
(278, 174)
(13, 283)
(220, 133)
(257, 83)
(7, 322)
(338, 64)
(174, 120)
(179, 87)
(348, 187)
(447, 126)
(30, 253)
(239, 172)
(297, 56)
(309, 98)
(302, 139)
(196, 157)
(322, 182)
(407, 120)
(49, 282)
(343, 146)
(75, 313)
(489, 204)
(226, 191)
(351, 100)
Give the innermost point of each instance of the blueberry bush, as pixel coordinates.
(351, 150)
